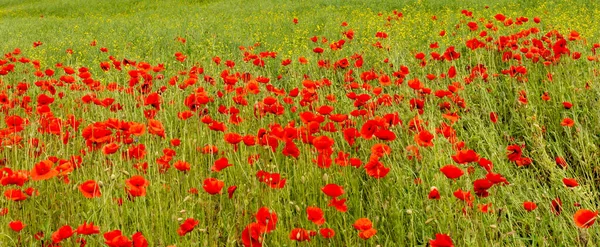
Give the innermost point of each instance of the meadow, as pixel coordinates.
(299, 123)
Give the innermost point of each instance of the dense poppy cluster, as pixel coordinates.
(324, 120)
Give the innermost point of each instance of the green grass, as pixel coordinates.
(147, 31)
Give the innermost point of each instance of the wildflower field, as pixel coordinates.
(299, 123)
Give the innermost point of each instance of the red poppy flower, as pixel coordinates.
(485, 208)
(486, 164)
(44, 100)
(155, 127)
(342, 159)
(493, 117)
(556, 206)
(220, 164)
(376, 169)
(231, 190)
(90, 189)
(139, 240)
(175, 142)
(210, 149)
(182, 166)
(452, 72)
(39, 235)
(16, 225)
(116, 239)
(8, 177)
(15, 195)
(434, 194)
(545, 96)
(385, 135)
(252, 235)
(369, 128)
(43, 171)
(316, 215)
(15, 123)
(323, 160)
(32, 191)
(299, 234)
(523, 161)
(233, 138)
(363, 224)
(350, 135)
(62, 234)
(424, 138)
(249, 140)
(570, 182)
(137, 129)
(585, 218)
(326, 110)
(333, 190)
(323, 143)
(303, 60)
(267, 218)
(88, 229)
(367, 233)
(413, 152)
(135, 152)
(561, 162)
(184, 115)
(110, 148)
(480, 186)
(213, 186)
(327, 232)
(464, 196)
(339, 205)
(567, 122)
(154, 100)
(496, 178)
(380, 149)
(441, 240)
(529, 206)
(290, 149)
(451, 171)
(274, 180)
(136, 186)
(514, 152)
(465, 156)
(187, 226)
